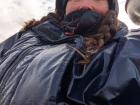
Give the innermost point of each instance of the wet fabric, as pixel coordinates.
(37, 68)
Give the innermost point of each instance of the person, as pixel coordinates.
(132, 8)
(78, 55)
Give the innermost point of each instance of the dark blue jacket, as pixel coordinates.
(36, 68)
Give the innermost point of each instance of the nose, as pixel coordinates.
(86, 4)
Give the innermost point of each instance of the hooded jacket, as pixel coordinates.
(36, 68)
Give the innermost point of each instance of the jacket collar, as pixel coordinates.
(123, 30)
(52, 34)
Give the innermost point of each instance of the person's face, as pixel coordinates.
(100, 6)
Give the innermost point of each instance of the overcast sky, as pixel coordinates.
(15, 12)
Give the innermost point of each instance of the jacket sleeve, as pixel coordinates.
(7, 44)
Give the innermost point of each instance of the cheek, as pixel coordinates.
(71, 8)
(99, 8)
(102, 11)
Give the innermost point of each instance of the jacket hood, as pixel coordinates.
(126, 5)
(132, 8)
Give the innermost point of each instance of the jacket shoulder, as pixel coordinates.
(20, 38)
(7, 44)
